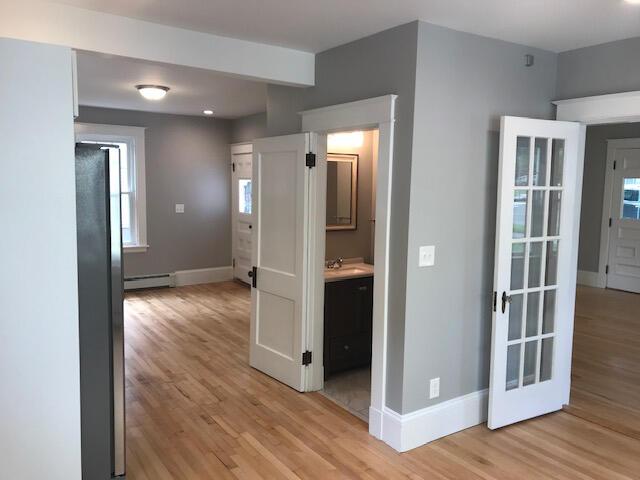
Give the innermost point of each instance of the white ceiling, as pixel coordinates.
(109, 81)
(314, 25)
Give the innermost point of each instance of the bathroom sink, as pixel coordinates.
(356, 270)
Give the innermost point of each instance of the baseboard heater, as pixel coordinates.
(150, 281)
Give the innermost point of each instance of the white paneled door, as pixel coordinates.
(624, 223)
(242, 213)
(539, 192)
(281, 211)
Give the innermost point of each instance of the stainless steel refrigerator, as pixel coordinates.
(100, 290)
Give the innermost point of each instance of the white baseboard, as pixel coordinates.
(203, 275)
(589, 279)
(405, 432)
(375, 422)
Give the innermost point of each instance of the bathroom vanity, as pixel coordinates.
(348, 313)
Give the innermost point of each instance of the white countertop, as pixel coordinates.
(347, 271)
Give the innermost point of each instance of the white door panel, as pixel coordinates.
(539, 190)
(624, 233)
(242, 217)
(280, 255)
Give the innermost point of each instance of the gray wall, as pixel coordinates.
(595, 163)
(187, 161)
(377, 65)
(356, 243)
(247, 129)
(464, 84)
(608, 68)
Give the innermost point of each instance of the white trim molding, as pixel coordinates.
(378, 112)
(589, 279)
(600, 109)
(126, 134)
(203, 275)
(412, 430)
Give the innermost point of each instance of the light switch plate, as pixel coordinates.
(179, 207)
(427, 256)
(434, 388)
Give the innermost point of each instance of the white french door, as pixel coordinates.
(624, 224)
(539, 192)
(281, 211)
(242, 213)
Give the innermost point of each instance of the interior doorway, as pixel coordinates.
(241, 211)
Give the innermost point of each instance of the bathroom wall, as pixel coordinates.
(357, 243)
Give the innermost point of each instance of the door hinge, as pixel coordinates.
(495, 300)
(310, 159)
(233, 262)
(306, 358)
(610, 222)
(606, 270)
(254, 277)
(233, 166)
(615, 164)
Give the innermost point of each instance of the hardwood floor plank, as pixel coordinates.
(196, 410)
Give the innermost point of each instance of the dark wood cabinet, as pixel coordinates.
(348, 314)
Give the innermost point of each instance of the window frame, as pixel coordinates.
(134, 137)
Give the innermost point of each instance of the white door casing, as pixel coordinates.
(623, 272)
(241, 214)
(281, 210)
(538, 212)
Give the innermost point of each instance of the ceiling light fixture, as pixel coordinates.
(208, 112)
(152, 92)
(633, 2)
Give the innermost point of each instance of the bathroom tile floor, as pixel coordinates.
(351, 390)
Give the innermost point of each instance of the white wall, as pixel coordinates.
(39, 356)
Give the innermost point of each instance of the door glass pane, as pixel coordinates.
(244, 195)
(554, 213)
(530, 357)
(522, 161)
(551, 273)
(517, 266)
(537, 213)
(557, 161)
(546, 359)
(515, 317)
(549, 312)
(540, 162)
(513, 366)
(535, 264)
(631, 199)
(519, 213)
(533, 310)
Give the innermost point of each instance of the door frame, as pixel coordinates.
(605, 229)
(236, 149)
(378, 112)
(601, 110)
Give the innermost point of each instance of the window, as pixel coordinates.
(244, 196)
(631, 199)
(130, 143)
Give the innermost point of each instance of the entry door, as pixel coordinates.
(242, 217)
(624, 231)
(280, 251)
(539, 190)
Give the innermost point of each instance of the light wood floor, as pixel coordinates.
(196, 410)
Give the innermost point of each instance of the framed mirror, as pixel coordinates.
(342, 191)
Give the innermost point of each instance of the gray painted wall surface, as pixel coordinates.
(356, 243)
(608, 68)
(187, 160)
(595, 163)
(464, 84)
(377, 65)
(247, 129)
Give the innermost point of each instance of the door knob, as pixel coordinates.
(505, 299)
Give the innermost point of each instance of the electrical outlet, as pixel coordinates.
(434, 388)
(427, 256)
(179, 207)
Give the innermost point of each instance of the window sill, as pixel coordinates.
(135, 248)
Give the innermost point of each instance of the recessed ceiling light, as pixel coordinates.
(633, 2)
(152, 92)
(208, 112)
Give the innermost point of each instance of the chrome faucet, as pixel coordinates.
(335, 264)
